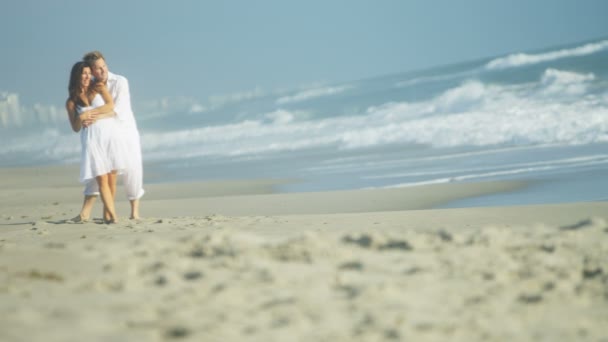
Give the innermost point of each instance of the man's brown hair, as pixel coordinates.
(91, 57)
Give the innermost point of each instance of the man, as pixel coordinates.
(118, 86)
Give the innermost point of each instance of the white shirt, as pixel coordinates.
(118, 86)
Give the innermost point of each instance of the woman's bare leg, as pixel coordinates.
(106, 214)
(106, 197)
(112, 183)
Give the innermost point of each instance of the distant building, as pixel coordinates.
(10, 112)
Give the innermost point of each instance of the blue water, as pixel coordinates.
(539, 116)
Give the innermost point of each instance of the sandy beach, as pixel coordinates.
(236, 261)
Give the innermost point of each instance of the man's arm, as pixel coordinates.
(122, 101)
(105, 115)
(108, 105)
(105, 111)
(102, 112)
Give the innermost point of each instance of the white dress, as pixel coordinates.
(103, 146)
(132, 177)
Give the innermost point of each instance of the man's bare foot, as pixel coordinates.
(135, 210)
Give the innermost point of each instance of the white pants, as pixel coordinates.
(133, 175)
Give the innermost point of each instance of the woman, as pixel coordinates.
(91, 110)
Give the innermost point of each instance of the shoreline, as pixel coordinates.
(37, 187)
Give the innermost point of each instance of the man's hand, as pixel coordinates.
(87, 119)
(99, 87)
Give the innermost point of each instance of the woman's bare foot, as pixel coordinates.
(78, 219)
(107, 216)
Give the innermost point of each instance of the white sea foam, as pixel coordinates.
(564, 82)
(472, 114)
(220, 100)
(502, 173)
(467, 96)
(283, 117)
(477, 114)
(42, 146)
(424, 79)
(313, 93)
(365, 164)
(150, 109)
(499, 170)
(521, 59)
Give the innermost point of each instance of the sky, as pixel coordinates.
(200, 48)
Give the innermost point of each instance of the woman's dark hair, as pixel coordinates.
(75, 78)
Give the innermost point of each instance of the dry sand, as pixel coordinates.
(233, 261)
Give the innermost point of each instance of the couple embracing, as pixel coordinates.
(99, 107)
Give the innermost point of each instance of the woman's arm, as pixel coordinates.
(75, 120)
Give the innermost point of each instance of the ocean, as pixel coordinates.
(536, 116)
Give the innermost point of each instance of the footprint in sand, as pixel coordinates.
(351, 265)
(193, 275)
(177, 332)
(367, 241)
